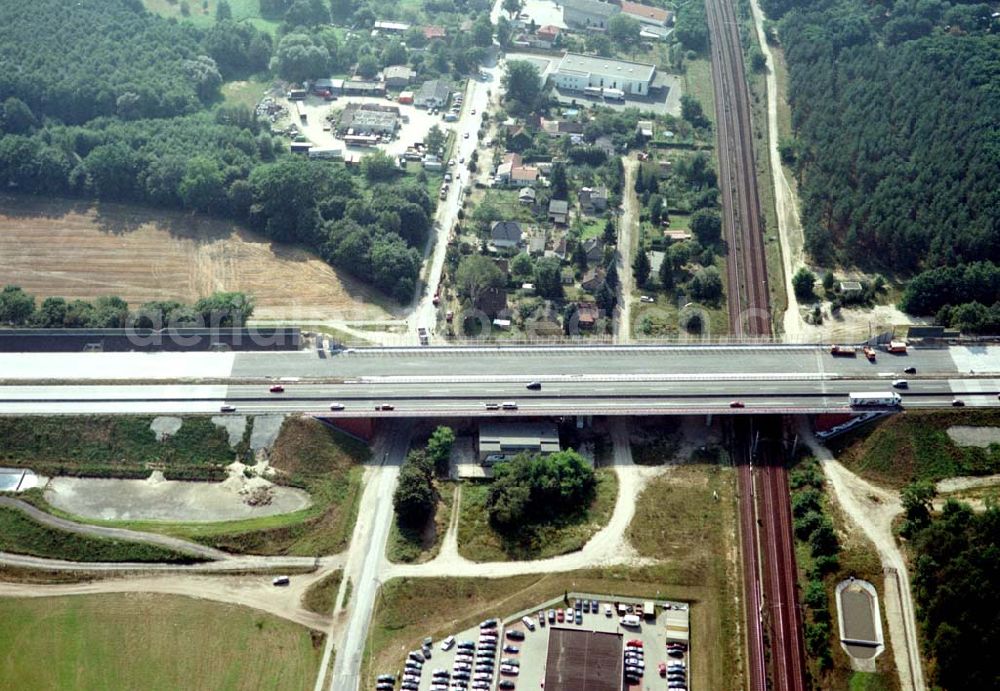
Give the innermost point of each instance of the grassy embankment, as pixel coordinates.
(20, 534)
(309, 455)
(828, 666)
(415, 547)
(115, 446)
(131, 642)
(478, 541)
(695, 563)
(320, 596)
(916, 446)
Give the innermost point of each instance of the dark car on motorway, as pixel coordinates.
(910, 370)
(534, 385)
(277, 388)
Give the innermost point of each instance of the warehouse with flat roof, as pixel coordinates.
(577, 72)
(499, 441)
(580, 660)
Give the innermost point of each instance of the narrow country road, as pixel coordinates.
(173, 543)
(628, 222)
(250, 591)
(364, 565)
(232, 564)
(873, 510)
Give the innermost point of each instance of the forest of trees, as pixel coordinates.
(894, 108)
(82, 60)
(956, 566)
(18, 308)
(534, 489)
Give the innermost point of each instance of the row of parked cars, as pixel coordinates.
(675, 671)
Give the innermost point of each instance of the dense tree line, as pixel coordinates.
(894, 107)
(956, 565)
(964, 297)
(534, 489)
(20, 309)
(81, 60)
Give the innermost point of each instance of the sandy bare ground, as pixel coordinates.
(873, 509)
(974, 436)
(82, 250)
(958, 484)
(251, 591)
(627, 224)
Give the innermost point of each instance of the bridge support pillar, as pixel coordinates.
(708, 420)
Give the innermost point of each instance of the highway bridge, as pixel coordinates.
(459, 382)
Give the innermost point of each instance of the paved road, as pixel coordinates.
(367, 553)
(176, 544)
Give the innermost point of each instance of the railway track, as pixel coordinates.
(772, 612)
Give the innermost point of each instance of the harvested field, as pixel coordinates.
(81, 250)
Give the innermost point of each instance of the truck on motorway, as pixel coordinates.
(843, 351)
(883, 399)
(896, 347)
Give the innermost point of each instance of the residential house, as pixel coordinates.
(644, 128)
(492, 301)
(594, 248)
(507, 164)
(519, 139)
(594, 199)
(605, 144)
(546, 36)
(434, 32)
(588, 14)
(650, 16)
(505, 234)
(587, 314)
(526, 196)
(523, 175)
(536, 244)
(567, 276)
(560, 128)
(679, 235)
(432, 94)
(397, 76)
(558, 210)
(593, 279)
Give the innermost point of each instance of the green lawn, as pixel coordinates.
(321, 595)
(916, 446)
(246, 92)
(243, 10)
(114, 446)
(21, 534)
(478, 541)
(698, 83)
(150, 642)
(592, 227)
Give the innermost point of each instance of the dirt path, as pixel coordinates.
(872, 509)
(958, 484)
(449, 545)
(176, 544)
(250, 591)
(785, 203)
(608, 547)
(232, 564)
(627, 238)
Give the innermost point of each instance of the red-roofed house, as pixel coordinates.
(647, 15)
(546, 36)
(432, 32)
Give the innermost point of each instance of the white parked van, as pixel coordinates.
(630, 620)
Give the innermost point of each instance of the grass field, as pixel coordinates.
(120, 446)
(322, 594)
(313, 457)
(203, 15)
(246, 92)
(151, 642)
(478, 541)
(21, 534)
(80, 250)
(415, 547)
(916, 446)
(857, 558)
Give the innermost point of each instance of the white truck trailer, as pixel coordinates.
(882, 399)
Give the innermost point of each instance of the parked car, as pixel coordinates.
(447, 643)
(281, 580)
(528, 623)
(515, 635)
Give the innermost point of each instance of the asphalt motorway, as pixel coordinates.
(460, 396)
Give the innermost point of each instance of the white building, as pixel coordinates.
(578, 72)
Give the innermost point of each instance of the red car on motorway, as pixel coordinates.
(737, 404)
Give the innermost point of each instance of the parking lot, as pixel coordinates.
(413, 126)
(526, 658)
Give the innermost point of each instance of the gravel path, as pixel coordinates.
(627, 224)
(250, 591)
(873, 509)
(176, 544)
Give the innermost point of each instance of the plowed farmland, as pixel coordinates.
(84, 250)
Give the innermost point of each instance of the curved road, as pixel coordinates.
(176, 544)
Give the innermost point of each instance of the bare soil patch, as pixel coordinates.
(80, 250)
